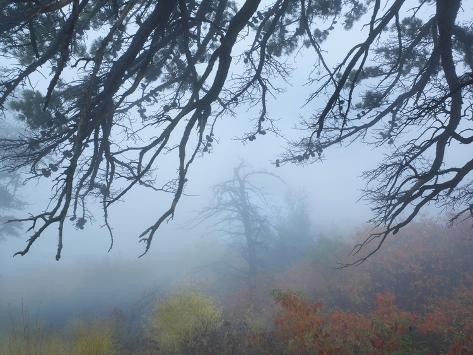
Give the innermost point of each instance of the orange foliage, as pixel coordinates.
(420, 281)
(451, 319)
(304, 328)
(423, 262)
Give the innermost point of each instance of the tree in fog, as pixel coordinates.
(123, 82)
(8, 202)
(237, 211)
(294, 237)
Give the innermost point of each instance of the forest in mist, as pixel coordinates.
(236, 177)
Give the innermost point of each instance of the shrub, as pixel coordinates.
(449, 323)
(26, 336)
(303, 327)
(185, 323)
(92, 338)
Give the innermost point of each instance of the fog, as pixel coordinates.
(88, 277)
(90, 281)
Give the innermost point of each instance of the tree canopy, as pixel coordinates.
(124, 82)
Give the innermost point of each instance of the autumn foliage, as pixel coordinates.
(413, 297)
(304, 327)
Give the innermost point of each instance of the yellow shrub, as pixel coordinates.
(31, 339)
(185, 321)
(92, 339)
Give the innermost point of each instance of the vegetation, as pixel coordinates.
(29, 337)
(185, 323)
(92, 338)
(303, 327)
(237, 212)
(415, 297)
(8, 202)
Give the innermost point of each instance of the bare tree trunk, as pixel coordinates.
(249, 232)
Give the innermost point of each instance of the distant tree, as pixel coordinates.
(237, 211)
(8, 201)
(294, 237)
(122, 83)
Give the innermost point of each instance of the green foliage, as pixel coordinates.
(185, 322)
(30, 109)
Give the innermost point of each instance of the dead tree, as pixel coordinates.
(237, 211)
